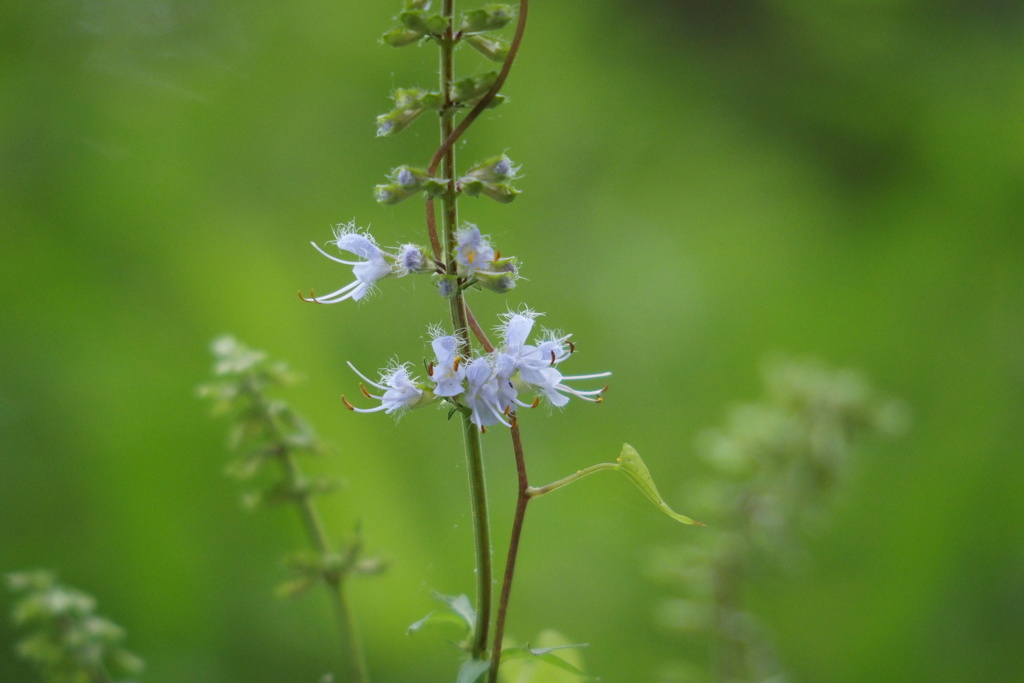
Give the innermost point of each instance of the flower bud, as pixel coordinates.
(501, 277)
(491, 178)
(412, 259)
(435, 187)
(486, 18)
(471, 187)
(416, 4)
(400, 37)
(405, 182)
(500, 192)
(446, 285)
(494, 170)
(494, 49)
(417, 20)
(409, 104)
(473, 87)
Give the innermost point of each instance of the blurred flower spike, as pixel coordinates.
(67, 641)
(375, 264)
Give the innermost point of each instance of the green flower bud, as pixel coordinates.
(500, 192)
(435, 187)
(409, 104)
(487, 18)
(491, 178)
(417, 20)
(494, 49)
(400, 37)
(473, 87)
(471, 187)
(447, 285)
(500, 277)
(405, 182)
(416, 4)
(494, 170)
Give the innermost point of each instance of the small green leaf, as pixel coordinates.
(459, 612)
(632, 465)
(545, 655)
(471, 670)
(460, 605)
(436, 618)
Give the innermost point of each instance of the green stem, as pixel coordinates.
(535, 491)
(481, 534)
(460, 325)
(351, 643)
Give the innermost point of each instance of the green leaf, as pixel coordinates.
(435, 618)
(544, 654)
(539, 664)
(459, 612)
(632, 465)
(460, 605)
(471, 670)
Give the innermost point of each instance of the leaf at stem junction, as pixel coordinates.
(633, 466)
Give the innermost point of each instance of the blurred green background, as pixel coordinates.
(705, 182)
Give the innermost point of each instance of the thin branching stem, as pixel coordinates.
(351, 643)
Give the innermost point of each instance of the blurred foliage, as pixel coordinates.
(702, 182)
(777, 468)
(68, 641)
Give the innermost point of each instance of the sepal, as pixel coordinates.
(472, 88)
(422, 23)
(489, 18)
(495, 49)
(405, 182)
(400, 36)
(409, 104)
(494, 170)
(501, 277)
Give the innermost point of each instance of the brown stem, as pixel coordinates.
(522, 501)
(478, 331)
(454, 135)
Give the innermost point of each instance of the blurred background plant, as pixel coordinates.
(816, 177)
(776, 470)
(67, 642)
(268, 433)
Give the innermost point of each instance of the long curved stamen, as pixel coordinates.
(351, 407)
(335, 258)
(365, 378)
(593, 395)
(369, 410)
(596, 375)
(340, 295)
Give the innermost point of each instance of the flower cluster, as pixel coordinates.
(489, 386)
(376, 264)
(477, 264)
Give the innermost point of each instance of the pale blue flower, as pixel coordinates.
(400, 391)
